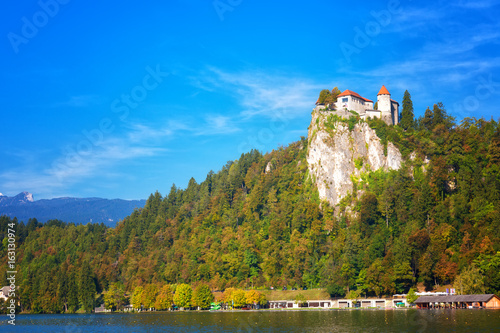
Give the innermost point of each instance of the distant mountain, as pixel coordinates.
(78, 210)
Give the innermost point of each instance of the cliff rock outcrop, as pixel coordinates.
(337, 154)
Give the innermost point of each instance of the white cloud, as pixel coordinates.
(141, 132)
(260, 93)
(74, 166)
(217, 124)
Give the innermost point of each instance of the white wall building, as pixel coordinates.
(387, 108)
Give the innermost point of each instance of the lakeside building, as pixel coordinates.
(458, 301)
(328, 303)
(428, 300)
(285, 304)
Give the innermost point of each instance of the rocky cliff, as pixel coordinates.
(337, 154)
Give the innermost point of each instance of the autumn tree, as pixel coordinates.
(331, 99)
(239, 297)
(252, 297)
(202, 296)
(149, 295)
(114, 297)
(323, 95)
(164, 299)
(137, 297)
(183, 296)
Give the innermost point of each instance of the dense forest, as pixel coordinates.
(258, 222)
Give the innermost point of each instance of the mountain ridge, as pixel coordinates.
(69, 209)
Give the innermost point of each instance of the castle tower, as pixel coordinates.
(386, 107)
(384, 100)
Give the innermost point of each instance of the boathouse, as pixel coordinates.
(283, 304)
(458, 301)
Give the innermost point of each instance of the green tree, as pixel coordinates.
(441, 117)
(428, 122)
(411, 297)
(335, 290)
(114, 297)
(439, 114)
(137, 297)
(87, 288)
(183, 295)
(407, 121)
(72, 293)
(262, 300)
(469, 281)
(368, 211)
(202, 296)
(489, 265)
(374, 277)
(353, 295)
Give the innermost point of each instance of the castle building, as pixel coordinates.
(387, 108)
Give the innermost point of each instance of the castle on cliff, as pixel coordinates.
(387, 108)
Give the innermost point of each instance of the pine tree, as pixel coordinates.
(428, 121)
(72, 293)
(438, 111)
(407, 121)
(87, 288)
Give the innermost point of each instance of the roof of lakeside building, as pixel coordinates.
(348, 92)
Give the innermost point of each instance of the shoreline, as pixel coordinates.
(255, 310)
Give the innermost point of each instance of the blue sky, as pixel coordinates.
(119, 99)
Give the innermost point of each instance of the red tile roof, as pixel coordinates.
(352, 93)
(383, 91)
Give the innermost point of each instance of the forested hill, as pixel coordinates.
(259, 222)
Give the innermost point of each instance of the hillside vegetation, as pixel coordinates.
(258, 222)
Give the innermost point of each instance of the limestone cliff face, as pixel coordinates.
(337, 155)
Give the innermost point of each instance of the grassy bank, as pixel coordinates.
(313, 294)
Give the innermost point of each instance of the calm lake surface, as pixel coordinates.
(399, 320)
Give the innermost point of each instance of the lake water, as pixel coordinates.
(400, 320)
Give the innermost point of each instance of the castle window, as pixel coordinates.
(344, 100)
